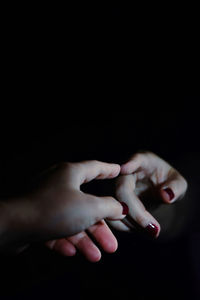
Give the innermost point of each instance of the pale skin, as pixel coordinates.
(141, 171)
(58, 212)
(57, 208)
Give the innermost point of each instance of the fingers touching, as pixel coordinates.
(97, 170)
(169, 184)
(105, 208)
(172, 186)
(167, 181)
(137, 212)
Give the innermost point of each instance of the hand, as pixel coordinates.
(100, 231)
(57, 208)
(146, 174)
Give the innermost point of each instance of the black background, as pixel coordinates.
(139, 268)
(140, 88)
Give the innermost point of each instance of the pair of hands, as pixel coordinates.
(77, 215)
(58, 213)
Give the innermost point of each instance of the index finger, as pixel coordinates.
(97, 170)
(147, 161)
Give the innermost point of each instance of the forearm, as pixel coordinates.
(17, 219)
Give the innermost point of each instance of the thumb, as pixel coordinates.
(106, 208)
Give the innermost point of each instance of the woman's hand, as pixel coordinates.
(57, 208)
(100, 231)
(147, 176)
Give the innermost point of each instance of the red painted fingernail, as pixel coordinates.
(170, 193)
(125, 208)
(152, 229)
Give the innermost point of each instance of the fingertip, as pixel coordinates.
(65, 248)
(124, 169)
(51, 244)
(153, 230)
(116, 171)
(159, 230)
(128, 168)
(69, 251)
(109, 244)
(112, 246)
(167, 195)
(150, 224)
(118, 167)
(95, 257)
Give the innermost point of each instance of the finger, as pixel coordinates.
(119, 225)
(147, 161)
(174, 188)
(137, 211)
(138, 160)
(104, 236)
(86, 246)
(62, 246)
(95, 169)
(104, 208)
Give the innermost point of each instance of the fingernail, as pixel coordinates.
(170, 193)
(152, 229)
(125, 208)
